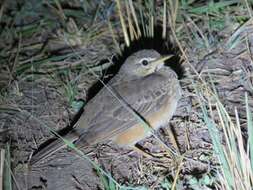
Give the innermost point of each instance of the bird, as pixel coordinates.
(143, 86)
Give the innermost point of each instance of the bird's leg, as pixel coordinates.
(170, 132)
(151, 156)
(142, 152)
(171, 151)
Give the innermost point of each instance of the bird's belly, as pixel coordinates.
(138, 132)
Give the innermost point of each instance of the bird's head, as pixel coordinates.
(143, 63)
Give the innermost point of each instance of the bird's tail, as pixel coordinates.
(53, 147)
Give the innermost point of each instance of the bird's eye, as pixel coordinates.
(144, 62)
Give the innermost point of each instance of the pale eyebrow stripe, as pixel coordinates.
(148, 59)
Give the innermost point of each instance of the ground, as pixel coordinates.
(48, 52)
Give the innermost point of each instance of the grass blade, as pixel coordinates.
(250, 129)
(123, 25)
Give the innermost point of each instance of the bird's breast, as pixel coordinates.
(155, 120)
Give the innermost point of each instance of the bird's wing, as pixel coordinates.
(105, 115)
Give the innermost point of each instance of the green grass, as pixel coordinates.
(7, 174)
(228, 142)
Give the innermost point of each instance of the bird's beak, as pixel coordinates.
(158, 63)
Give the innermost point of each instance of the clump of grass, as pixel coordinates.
(231, 149)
